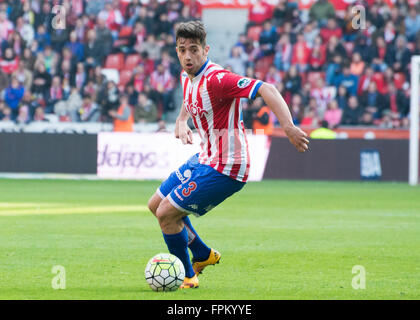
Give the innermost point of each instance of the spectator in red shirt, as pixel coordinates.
(258, 13)
(331, 29)
(10, 62)
(301, 54)
(163, 84)
(317, 56)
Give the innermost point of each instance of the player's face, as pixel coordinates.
(191, 54)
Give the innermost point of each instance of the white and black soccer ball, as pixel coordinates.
(164, 272)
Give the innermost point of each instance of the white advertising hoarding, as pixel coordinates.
(155, 155)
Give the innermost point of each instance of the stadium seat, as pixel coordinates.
(254, 32)
(262, 66)
(115, 61)
(132, 61)
(125, 76)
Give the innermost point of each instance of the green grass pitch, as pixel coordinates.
(278, 239)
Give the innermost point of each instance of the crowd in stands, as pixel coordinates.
(328, 63)
(47, 69)
(331, 62)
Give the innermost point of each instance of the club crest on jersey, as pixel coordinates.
(243, 82)
(195, 109)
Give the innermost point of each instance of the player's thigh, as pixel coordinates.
(178, 177)
(206, 189)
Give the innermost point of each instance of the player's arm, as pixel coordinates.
(182, 130)
(276, 103)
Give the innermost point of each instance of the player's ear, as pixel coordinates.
(206, 49)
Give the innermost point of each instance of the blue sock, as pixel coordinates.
(198, 248)
(178, 245)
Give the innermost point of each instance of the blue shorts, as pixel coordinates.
(197, 188)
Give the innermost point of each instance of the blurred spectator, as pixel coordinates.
(348, 80)
(296, 109)
(4, 81)
(54, 94)
(29, 59)
(283, 53)
(80, 77)
(396, 101)
(333, 48)
(268, 38)
(67, 110)
(109, 100)
(237, 61)
(145, 110)
(342, 97)
(12, 96)
(151, 47)
(23, 75)
(162, 83)
(104, 37)
(398, 56)
(89, 111)
(93, 50)
(321, 11)
(10, 62)
(292, 80)
(301, 54)
(6, 26)
(112, 18)
(75, 46)
(379, 54)
(412, 24)
(317, 56)
(123, 117)
(357, 65)
(333, 114)
(273, 76)
(352, 112)
(23, 115)
(372, 101)
(324, 132)
(330, 30)
(39, 115)
(282, 12)
(259, 12)
(311, 32)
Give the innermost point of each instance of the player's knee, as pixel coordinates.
(164, 213)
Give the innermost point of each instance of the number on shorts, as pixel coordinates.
(190, 188)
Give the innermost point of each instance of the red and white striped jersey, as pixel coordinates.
(212, 98)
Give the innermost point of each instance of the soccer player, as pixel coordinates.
(212, 99)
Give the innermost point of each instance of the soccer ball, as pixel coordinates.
(164, 272)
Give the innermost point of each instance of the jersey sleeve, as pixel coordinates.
(225, 84)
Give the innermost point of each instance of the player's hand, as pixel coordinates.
(183, 132)
(298, 138)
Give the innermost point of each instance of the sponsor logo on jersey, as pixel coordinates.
(185, 177)
(195, 110)
(243, 82)
(220, 76)
(177, 194)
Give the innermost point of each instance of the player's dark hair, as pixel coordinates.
(192, 30)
